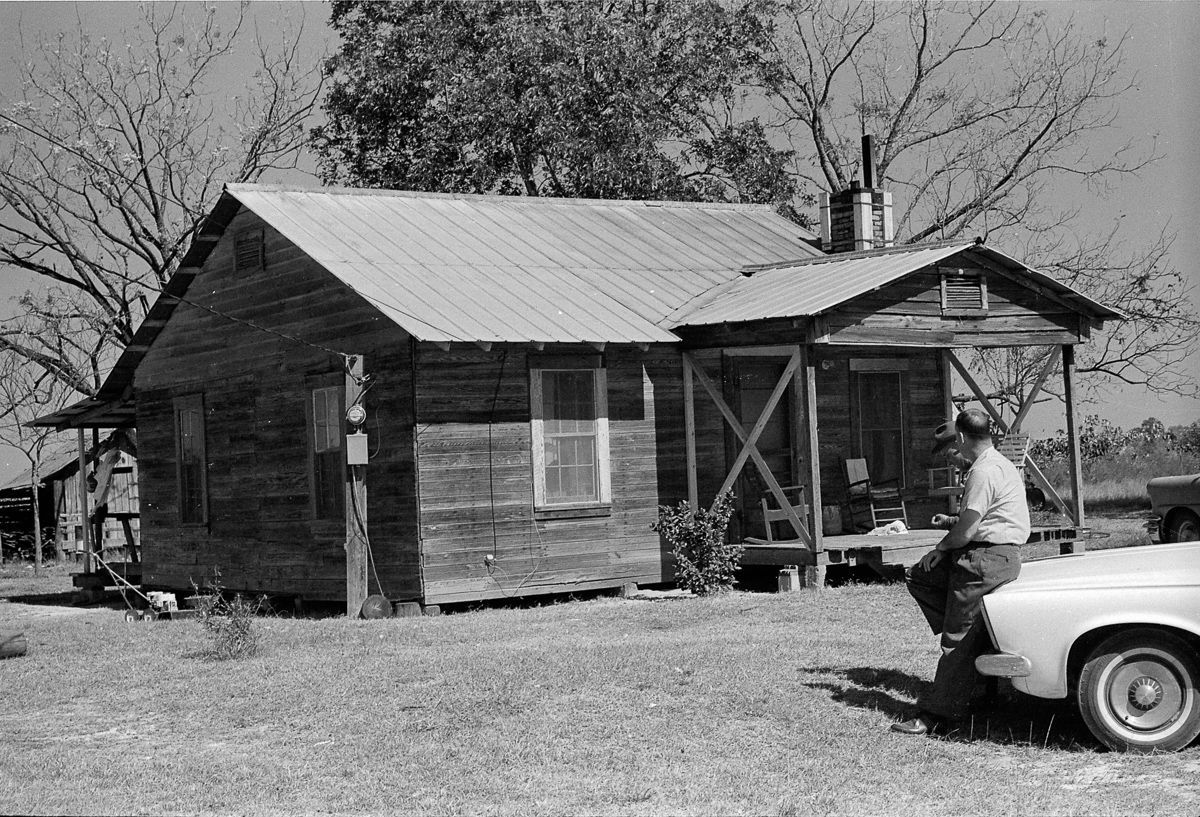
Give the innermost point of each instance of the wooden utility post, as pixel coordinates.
(356, 504)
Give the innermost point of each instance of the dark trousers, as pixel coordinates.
(949, 595)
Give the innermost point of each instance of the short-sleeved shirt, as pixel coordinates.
(994, 489)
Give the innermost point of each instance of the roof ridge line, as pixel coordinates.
(383, 192)
(750, 269)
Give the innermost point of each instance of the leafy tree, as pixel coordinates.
(112, 154)
(978, 111)
(620, 100)
(1187, 437)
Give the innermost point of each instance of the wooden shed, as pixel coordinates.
(535, 377)
(110, 480)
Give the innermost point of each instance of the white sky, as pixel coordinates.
(1161, 50)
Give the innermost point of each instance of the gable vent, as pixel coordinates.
(964, 294)
(248, 251)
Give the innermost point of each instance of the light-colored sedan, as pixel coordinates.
(1118, 629)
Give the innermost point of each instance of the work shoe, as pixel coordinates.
(925, 723)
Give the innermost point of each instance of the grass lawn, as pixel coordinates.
(749, 703)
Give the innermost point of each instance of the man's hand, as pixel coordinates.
(943, 521)
(930, 560)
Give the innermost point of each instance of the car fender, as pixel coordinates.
(1045, 625)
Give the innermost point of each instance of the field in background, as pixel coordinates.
(750, 703)
(1117, 463)
(1118, 483)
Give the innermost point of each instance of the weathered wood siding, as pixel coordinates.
(920, 377)
(909, 312)
(837, 426)
(473, 444)
(262, 534)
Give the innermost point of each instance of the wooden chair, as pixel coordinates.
(775, 515)
(872, 503)
(1015, 447)
(945, 480)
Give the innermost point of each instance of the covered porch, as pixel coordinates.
(791, 383)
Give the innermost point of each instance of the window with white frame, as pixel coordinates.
(328, 481)
(569, 410)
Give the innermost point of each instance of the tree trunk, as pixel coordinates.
(37, 524)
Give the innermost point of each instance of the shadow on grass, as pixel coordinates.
(1004, 717)
(63, 599)
(766, 580)
(872, 688)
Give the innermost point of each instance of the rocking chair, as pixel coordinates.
(872, 503)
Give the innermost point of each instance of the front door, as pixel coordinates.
(755, 379)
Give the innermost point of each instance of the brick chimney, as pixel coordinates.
(859, 218)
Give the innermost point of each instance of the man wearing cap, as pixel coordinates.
(980, 552)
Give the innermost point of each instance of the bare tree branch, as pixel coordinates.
(978, 109)
(115, 150)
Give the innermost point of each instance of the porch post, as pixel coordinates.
(814, 573)
(948, 412)
(689, 433)
(86, 524)
(1068, 367)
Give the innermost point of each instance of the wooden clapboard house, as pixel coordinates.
(537, 377)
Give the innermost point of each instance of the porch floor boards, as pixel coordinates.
(902, 549)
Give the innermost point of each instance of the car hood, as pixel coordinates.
(1145, 566)
(1167, 491)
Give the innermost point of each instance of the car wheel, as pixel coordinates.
(1137, 692)
(1184, 527)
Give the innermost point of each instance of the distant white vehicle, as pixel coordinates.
(1175, 503)
(1118, 629)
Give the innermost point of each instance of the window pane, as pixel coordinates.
(569, 427)
(881, 422)
(879, 398)
(191, 464)
(328, 486)
(326, 420)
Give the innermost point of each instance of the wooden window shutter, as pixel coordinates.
(964, 294)
(248, 251)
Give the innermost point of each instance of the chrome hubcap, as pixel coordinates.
(1145, 693)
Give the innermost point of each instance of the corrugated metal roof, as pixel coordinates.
(503, 268)
(51, 465)
(812, 287)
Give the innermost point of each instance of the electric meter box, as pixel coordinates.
(356, 449)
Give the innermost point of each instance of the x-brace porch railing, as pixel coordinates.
(798, 361)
